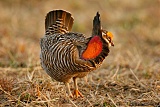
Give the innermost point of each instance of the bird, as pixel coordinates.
(67, 55)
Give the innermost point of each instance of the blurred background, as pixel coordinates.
(128, 76)
(134, 24)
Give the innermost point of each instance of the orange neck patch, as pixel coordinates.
(94, 48)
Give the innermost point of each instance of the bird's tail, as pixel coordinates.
(58, 21)
(96, 25)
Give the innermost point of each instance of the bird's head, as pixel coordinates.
(98, 31)
(108, 37)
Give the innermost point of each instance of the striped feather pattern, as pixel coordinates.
(60, 56)
(58, 21)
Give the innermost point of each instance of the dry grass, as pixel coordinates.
(130, 75)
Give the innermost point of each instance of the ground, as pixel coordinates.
(129, 76)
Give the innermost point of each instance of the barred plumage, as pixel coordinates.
(62, 51)
(60, 56)
(58, 21)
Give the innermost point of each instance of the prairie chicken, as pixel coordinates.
(65, 54)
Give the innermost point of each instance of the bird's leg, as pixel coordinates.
(68, 89)
(76, 91)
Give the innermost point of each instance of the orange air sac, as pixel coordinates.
(94, 48)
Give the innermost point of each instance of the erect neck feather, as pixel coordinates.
(94, 48)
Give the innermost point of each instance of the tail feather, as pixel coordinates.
(96, 25)
(58, 21)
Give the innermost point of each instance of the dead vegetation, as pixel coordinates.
(130, 75)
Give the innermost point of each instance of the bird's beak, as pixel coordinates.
(112, 44)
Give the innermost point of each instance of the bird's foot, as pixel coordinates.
(77, 93)
(38, 91)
